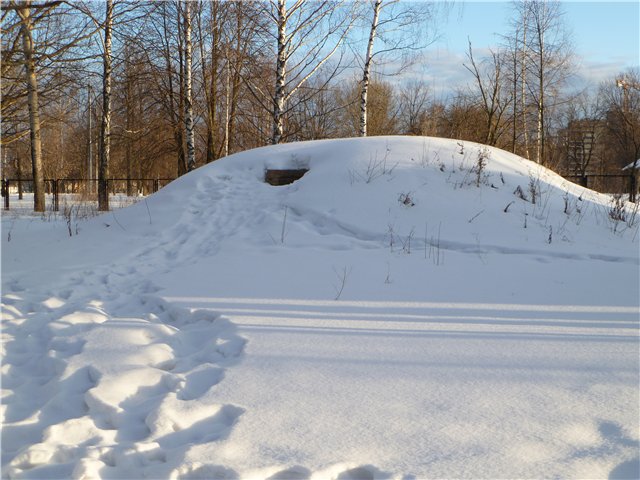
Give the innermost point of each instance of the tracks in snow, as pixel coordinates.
(102, 378)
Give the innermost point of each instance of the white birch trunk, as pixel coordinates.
(105, 128)
(281, 75)
(366, 71)
(541, 74)
(188, 105)
(34, 111)
(523, 74)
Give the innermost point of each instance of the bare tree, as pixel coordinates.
(583, 137)
(210, 68)
(396, 27)
(164, 46)
(318, 116)
(413, 108)
(26, 29)
(307, 35)
(622, 106)
(188, 102)
(383, 108)
(244, 64)
(14, 92)
(105, 126)
(549, 62)
(29, 15)
(489, 82)
(35, 42)
(366, 70)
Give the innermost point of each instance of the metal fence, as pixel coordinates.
(608, 183)
(85, 190)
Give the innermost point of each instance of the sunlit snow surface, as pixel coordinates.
(399, 312)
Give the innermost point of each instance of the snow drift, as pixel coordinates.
(411, 307)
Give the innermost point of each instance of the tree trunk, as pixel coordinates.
(105, 128)
(523, 93)
(540, 139)
(366, 71)
(227, 101)
(210, 82)
(89, 142)
(281, 71)
(129, 122)
(34, 111)
(541, 99)
(236, 83)
(175, 100)
(515, 100)
(188, 106)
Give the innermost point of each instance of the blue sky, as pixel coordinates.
(606, 39)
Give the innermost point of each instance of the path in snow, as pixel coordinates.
(84, 413)
(72, 409)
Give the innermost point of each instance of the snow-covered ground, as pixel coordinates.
(410, 308)
(68, 203)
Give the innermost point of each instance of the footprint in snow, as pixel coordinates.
(293, 473)
(198, 471)
(199, 381)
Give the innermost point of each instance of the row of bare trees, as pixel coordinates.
(229, 72)
(144, 89)
(527, 103)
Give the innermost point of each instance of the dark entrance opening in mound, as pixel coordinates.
(284, 177)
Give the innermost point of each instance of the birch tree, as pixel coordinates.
(545, 63)
(105, 126)
(25, 13)
(366, 70)
(36, 37)
(307, 35)
(188, 101)
(401, 28)
(50, 47)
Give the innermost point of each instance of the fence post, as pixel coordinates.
(156, 185)
(5, 187)
(56, 196)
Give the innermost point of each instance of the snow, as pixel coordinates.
(398, 312)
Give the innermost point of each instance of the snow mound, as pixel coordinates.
(411, 307)
(387, 190)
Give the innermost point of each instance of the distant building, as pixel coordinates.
(584, 150)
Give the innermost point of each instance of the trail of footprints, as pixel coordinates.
(64, 418)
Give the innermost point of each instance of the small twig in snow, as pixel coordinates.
(342, 280)
(475, 216)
